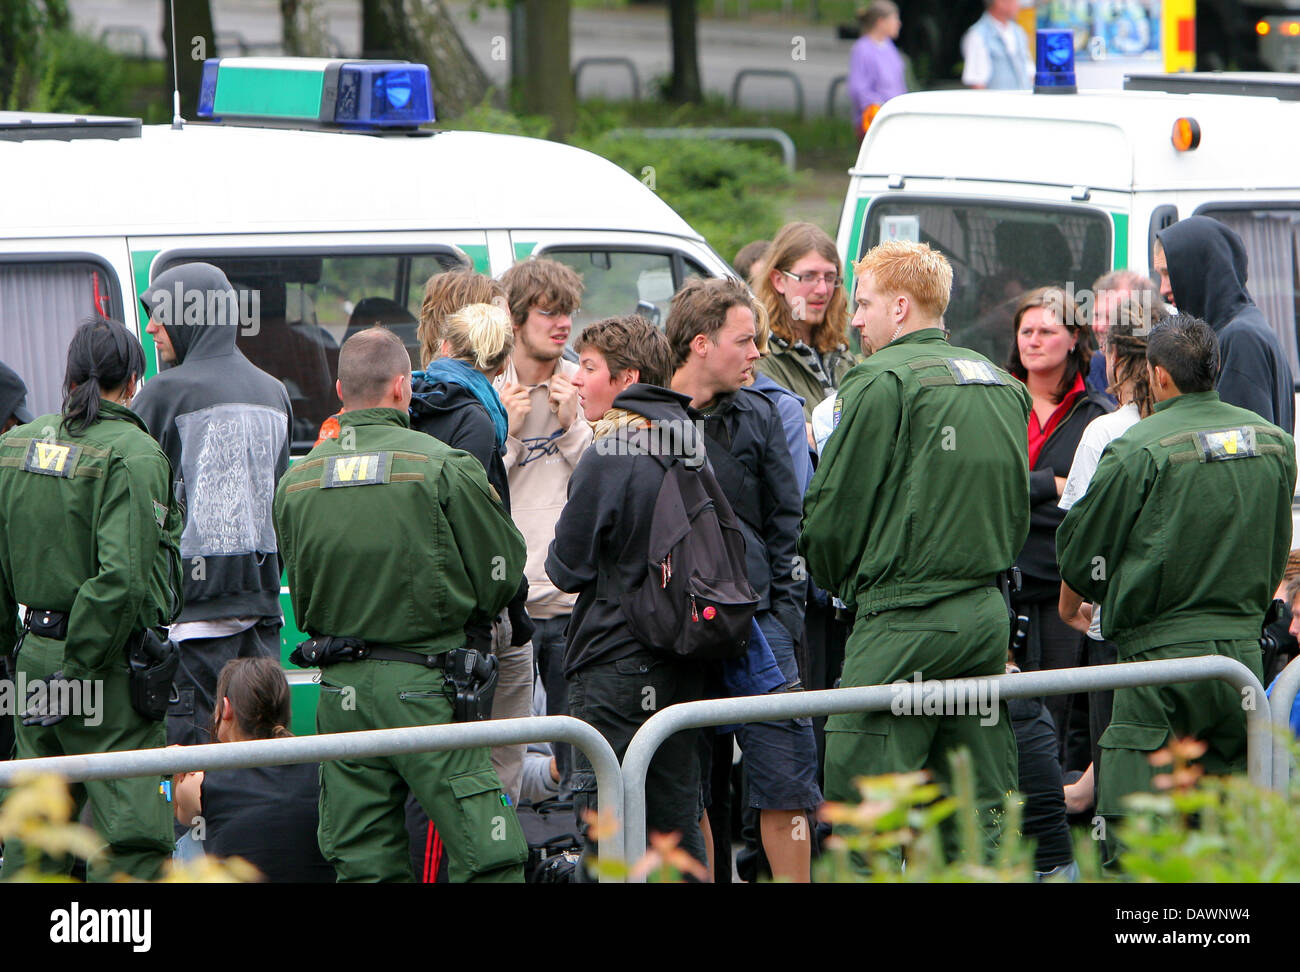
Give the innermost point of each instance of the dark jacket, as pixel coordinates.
(605, 526)
(1207, 271)
(13, 397)
(452, 415)
(750, 455)
(225, 425)
(1037, 561)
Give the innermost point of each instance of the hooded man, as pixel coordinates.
(1202, 268)
(225, 425)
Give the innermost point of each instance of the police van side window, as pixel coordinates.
(41, 304)
(297, 309)
(618, 282)
(1272, 240)
(997, 254)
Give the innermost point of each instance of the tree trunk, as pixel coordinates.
(194, 43)
(683, 19)
(291, 29)
(548, 76)
(423, 31)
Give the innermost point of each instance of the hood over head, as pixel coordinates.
(669, 410)
(13, 397)
(200, 309)
(1207, 269)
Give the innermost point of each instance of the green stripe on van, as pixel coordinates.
(523, 250)
(1121, 240)
(141, 261)
(479, 255)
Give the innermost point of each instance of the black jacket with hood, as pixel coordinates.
(1207, 271)
(1041, 577)
(606, 522)
(750, 455)
(226, 427)
(452, 415)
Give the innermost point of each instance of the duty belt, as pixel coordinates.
(332, 649)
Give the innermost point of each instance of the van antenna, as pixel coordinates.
(177, 122)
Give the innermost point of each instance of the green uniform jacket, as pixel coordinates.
(1175, 542)
(923, 490)
(398, 539)
(787, 369)
(88, 526)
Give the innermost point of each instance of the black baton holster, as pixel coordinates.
(153, 662)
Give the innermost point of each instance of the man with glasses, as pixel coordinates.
(546, 437)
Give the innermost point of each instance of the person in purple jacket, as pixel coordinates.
(875, 65)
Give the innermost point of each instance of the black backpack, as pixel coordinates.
(696, 601)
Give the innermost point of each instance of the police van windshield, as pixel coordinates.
(997, 253)
(308, 304)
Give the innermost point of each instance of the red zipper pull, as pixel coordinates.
(695, 614)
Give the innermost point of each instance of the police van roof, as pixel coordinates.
(215, 179)
(1116, 140)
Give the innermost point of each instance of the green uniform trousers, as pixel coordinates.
(362, 817)
(962, 636)
(1147, 717)
(133, 816)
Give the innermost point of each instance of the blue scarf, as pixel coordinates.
(455, 372)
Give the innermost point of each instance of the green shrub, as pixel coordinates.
(76, 75)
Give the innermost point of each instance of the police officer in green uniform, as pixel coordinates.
(89, 545)
(1182, 538)
(393, 543)
(920, 503)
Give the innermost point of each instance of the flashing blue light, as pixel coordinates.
(359, 95)
(208, 87)
(384, 95)
(1055, 56)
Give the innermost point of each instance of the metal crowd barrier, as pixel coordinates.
(875, 698)
(1284, 693)
(345, 745)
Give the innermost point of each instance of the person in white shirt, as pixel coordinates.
(1126, 366)
(996, 49)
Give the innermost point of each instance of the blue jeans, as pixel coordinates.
(548, 656)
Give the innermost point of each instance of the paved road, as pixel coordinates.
(813, 53)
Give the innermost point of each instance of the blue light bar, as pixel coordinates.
(317, 92)
(1055, 57)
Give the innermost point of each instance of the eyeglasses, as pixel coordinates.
(830, 279)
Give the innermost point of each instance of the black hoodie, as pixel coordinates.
(452, 415)
(606, 521)
(225, 425)
(13, 397)
(1207, 272)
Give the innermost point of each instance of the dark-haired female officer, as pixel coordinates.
(89, 539)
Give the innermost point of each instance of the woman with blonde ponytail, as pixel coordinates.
(454, 401)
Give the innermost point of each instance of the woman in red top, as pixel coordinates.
(1051, 355)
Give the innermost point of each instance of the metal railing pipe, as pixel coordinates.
(345, 745)
(875, 698)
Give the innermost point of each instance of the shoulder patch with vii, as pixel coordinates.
(356, 469)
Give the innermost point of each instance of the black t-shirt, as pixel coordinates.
(268, 816)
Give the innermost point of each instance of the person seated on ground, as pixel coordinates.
(264, 814)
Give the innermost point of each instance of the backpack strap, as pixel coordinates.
(609, 585)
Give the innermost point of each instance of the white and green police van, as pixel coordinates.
(1021, 189)
(314, 189)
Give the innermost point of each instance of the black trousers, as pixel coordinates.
(1040, 782)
